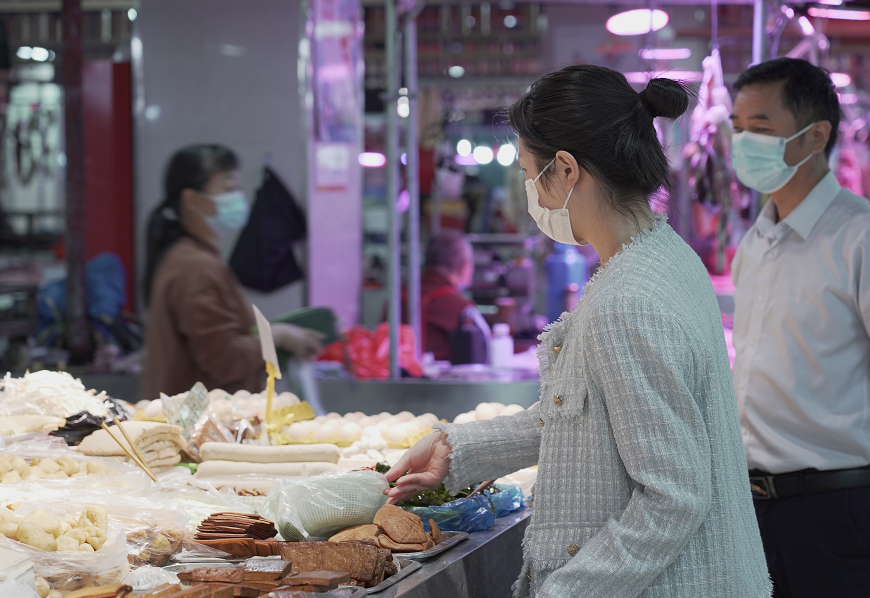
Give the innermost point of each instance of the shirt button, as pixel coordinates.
(542, 421)
(573, 549)
(557, 400)
(557, 349)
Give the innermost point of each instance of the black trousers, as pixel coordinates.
(818, 546)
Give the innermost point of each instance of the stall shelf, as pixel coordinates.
(486, 564)
(444, 398)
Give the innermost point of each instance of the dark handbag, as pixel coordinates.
(263, 257)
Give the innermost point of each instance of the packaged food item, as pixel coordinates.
(46, 534)
(49, 459)
(159, 444)
(321, 505)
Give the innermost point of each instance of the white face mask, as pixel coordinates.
(554, 223)
(759, 160)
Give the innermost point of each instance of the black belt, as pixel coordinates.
(765, 486)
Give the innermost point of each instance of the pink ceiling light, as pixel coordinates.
(833, 13)
(665, 53)
(841, 79)
(372, 160)
(637, 22)
(806, 26)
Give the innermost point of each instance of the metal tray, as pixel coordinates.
(406, 568)
(451, 539)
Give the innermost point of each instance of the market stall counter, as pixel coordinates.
(484, 565)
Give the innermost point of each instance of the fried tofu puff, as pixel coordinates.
(97, 467)
(10, 477)
(66, 542)
(31, 534)
(42, 587)
(49, 466)
(69, 466)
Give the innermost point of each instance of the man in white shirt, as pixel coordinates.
(802, 335)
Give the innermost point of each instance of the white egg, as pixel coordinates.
(286, 398)
(499, 407)
(242, 395)
(154, 408)
(320, 419)
(396, 433)
(412, 427)
(512, 409)
(349, 452)
(464, 418)
(383, 427)
(371, 431)
(333, 415)
(349, 431)
(379, 444)
(384, 415)
(359, 414)
(366, 421)
(405, 416)
(350, 417)
(429, 418)
(376, 455)
(323, 432)
(296, 431)
(485, 411)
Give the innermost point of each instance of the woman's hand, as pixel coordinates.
(303, 343)
(426, 463)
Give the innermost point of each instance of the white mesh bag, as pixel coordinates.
(318, 507)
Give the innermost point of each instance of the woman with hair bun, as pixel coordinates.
(642, 487)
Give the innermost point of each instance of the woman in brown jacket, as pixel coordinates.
(200, 325)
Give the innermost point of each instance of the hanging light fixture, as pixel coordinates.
(637, 22)
(833, 13)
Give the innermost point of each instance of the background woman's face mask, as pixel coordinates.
(759, 160)
(232, 213)
(556, 224)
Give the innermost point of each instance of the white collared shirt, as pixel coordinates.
(802, 334)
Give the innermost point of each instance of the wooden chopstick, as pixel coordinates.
(135, 448)
(482, 487)
(129, 454)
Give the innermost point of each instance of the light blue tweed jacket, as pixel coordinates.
(642, 484)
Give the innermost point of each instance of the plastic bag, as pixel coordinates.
(473, 514)
(197, 498)
(154, 531)
(461, 515)
(322, 505)
(507, 501)
(66, 570)
(13, 588)
(148, 578)
(366, 353)
(67, 463)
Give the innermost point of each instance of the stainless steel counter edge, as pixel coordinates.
(484, 566)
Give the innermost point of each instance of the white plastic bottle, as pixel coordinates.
(502, 349)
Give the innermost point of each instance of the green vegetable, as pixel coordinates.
(436, 498)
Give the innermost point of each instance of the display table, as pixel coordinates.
(485, 565)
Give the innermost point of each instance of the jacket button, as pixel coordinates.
(557, 349)
(542, 421)
(557, 400)
(573, 549)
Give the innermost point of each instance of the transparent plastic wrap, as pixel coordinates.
(319, 506)
(49, 459)
(66, 569)
(149, 578)
(197, 498)
(154, 531)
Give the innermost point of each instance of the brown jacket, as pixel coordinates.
(199, 327)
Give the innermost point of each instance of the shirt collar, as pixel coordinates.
(806, 214)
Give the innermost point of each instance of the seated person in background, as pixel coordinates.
(448, 270)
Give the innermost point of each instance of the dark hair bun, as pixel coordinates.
(664, 97)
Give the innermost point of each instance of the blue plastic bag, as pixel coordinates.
(507, 501)
(472, 514)
(461, 515)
